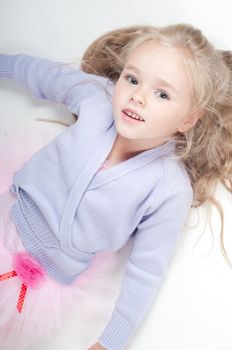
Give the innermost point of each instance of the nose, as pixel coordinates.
(138, 97)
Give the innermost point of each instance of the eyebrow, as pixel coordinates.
(159, 80)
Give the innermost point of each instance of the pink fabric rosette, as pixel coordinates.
(29, 272)
(28, 269)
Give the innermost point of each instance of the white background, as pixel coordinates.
(194, 307)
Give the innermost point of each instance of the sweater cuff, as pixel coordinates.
(6, 64)
(117, 332)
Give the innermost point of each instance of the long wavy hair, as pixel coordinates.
(206, 149)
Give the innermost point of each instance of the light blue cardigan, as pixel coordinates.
(67, 211)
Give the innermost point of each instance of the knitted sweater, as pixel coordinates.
(67, 211)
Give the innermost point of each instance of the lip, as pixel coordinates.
(129, 119)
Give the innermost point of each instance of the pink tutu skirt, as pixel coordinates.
(31, 304)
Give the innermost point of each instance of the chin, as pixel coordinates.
(126, 134)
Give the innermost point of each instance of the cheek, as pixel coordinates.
(114, 102)
(117, 97)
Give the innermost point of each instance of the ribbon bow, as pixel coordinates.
(30, 273)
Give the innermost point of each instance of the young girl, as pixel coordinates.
(142, 151)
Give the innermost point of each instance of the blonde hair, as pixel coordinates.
(206, 149)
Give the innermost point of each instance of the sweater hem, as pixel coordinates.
(33, 246)
(117, 332)
(6, 66)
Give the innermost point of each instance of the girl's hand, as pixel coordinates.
(97, 346)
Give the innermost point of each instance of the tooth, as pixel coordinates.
(133, 115)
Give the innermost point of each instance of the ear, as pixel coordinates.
(190, 121)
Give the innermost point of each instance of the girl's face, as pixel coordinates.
(154, 85)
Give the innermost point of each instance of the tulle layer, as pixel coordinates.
(44, 304)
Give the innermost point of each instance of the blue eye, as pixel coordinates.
(131, 80)
(163, 95)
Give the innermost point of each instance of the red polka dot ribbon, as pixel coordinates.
(23, 290)
(28, 271)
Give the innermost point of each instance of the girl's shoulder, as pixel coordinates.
(175, 180)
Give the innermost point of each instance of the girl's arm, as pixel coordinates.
(153, 246)
(52, 80)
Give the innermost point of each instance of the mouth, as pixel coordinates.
(128, 113)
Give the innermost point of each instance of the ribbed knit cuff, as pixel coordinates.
(6, 63)
(116, 333)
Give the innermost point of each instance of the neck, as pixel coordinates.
(132, 147)
(124, 148)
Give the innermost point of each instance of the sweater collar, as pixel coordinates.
(130, 164)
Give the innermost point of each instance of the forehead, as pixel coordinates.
(157, 61)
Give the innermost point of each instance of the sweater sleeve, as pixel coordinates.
(56, 81)
(153, 246)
